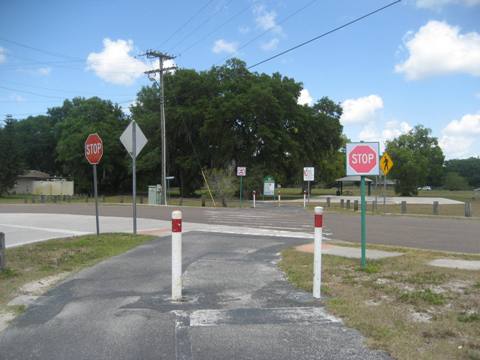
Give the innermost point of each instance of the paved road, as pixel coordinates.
(237, 305)
(460, 235)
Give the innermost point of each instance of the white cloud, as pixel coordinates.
(438, 48)
(17, 98)
(438, 4)
(44, 71)
(266, 20)
(360, 110)
(222, 45)
(390, 131)
(305, 98)
(114, 64)
(3, 55)
(270, 45)
(459, 136)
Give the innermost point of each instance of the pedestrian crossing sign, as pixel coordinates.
(386, 163)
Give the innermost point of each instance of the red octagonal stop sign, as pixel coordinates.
(362, 159)
(93, 149)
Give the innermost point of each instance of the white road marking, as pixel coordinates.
(52, 230)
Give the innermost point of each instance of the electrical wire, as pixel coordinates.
(284, 20)
(215, 30)
(186, 23)
(325, 34)
(51, 53)
(200, 25)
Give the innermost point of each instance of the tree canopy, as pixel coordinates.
(221, 118)
(418, 160)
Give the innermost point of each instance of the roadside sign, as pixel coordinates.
(93, 154)
(93, 149)
(308, 174)
(268, 186)
(127, 139)
(133, 140)
(362, 159)
(241, 171)
(386, 163)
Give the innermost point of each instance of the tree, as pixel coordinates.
(37, 140)
(75, 120)
(227, 117)
(453, 181)
(467, 168)
(11, 164)
(418, 160)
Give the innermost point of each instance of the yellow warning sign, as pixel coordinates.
(386, 163)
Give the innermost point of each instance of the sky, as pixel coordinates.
(416, 62)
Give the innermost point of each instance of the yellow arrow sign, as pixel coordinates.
(386, 163)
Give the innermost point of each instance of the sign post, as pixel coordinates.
(268, 186)
(133, 140)
(362, 159)
(93, 154)
(308, 175)
(386, 165)
(241, 172)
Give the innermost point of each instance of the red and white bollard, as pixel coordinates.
(279, 198)
(254, 198)
(317, 252)
(304, 199)
(176, 255)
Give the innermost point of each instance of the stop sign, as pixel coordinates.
(93, 149)
(362, 159)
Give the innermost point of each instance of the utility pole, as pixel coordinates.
(162, 57)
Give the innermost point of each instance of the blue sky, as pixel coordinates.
(417, 62)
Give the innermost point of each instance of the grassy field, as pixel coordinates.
(403, 306)
(60, 256)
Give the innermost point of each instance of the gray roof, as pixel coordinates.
(355, 178)
(34, 174)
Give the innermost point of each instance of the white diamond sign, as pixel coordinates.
(127, 139)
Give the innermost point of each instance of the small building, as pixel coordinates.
(39, 183)
(24, 183)
(355, 179)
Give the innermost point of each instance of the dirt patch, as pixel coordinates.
(38, 287)
(5, 318)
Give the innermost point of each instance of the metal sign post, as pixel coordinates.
(95, 191)
(241, 172)
(386, 165)
(308, 175)
(362, 159)
(133, 140)
(134, 176)
(93, 154)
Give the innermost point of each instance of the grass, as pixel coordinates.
(403, 306)
(36, 261)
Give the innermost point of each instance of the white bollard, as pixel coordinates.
(304, 199)
(317, 254)
(254, 198)
(279, 199)
(176, 255)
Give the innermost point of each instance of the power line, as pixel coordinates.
(325, 34)
(186, 22)
(31, 93)
(51, 53)
(215, 30)
(284, 20)
(200, 25)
